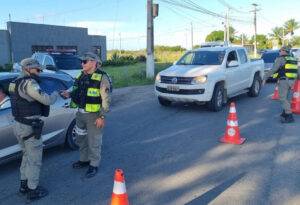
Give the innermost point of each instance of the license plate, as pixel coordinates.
(173, 88)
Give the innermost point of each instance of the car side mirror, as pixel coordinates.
(233, 64)
(51, 67)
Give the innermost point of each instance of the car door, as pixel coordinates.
(60, 114)
(231, 73)
(8, 141)
(244, 69)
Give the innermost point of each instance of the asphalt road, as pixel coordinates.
(171, 155)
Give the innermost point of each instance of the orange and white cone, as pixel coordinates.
(232, 134)
(275, 95)
(295, 104)
(119, 195)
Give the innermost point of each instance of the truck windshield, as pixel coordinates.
(67, 62)
(202, 58)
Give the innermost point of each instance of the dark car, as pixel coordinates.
(59, 126)
(269, 58)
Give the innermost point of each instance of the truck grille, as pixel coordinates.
(181, 91)
(176, 80)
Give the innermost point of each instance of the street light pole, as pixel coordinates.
(255, 29)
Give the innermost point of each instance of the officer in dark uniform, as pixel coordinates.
(28, 104)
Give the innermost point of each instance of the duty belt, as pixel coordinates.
(36, 124)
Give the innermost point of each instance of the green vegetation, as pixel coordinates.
(129, 75)
(6, 68)
(278, 37)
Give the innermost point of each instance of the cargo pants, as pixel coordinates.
(88, 138)
(284, 87)
(32, 155)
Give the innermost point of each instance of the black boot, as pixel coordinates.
(38, 193)
(287, 118)
(23, 187)
(92, 171)
(80, 164)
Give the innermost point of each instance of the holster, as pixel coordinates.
(36, 125)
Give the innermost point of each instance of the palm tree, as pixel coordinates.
(278, 34)
(291, 25)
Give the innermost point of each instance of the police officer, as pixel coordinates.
(28, 104)
(90, 95)
(285, 69)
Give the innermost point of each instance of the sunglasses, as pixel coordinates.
(38, 70)
(84, 61)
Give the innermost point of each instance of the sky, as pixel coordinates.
(123, 22)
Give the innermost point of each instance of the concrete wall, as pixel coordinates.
(24, 36)
(4, 47)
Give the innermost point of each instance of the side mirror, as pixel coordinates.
(233, 64)
(51, 67)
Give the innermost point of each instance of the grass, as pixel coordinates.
(132, 75)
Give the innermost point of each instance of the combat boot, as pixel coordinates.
(287, 118)
(38, 193)
(23, 187)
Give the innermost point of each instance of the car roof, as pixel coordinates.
(219, 48)
(61, 76)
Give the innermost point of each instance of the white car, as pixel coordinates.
(210, 75)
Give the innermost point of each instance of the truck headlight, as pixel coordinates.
(199, 80)
(157, 78)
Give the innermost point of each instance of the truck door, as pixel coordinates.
(232, 73)
(244, 69)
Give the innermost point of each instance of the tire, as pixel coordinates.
(217, 101)
(70, 137)
(164, 102)
(255, 88)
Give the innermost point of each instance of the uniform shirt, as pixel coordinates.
(31, 91)
(104, 92)
(279, 63)
(5, 103)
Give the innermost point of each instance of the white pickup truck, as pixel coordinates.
(211, 76)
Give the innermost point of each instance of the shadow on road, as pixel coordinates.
(215, 192)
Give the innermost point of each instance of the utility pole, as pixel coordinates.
(120, 42)
(192, 36)
(255, 29)
(150, 41)
(242, 39)
(9, 17)
(282, 36)
(227, 25)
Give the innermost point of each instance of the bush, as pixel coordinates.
(120, 60)
(6, 68)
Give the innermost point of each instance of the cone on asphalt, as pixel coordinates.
(295, 104)
(232, 134)
(275, 95)
(119, 195)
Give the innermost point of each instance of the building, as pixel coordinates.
(21, 40)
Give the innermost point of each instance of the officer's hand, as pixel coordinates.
(64, 94)
(99, 122)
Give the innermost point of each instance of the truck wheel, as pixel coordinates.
(164, 102)
(217, 101)
(255, 87)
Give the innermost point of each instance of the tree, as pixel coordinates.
(219, 35)
(290, 26)
(277, 34)
(262, 41)
(215, 36)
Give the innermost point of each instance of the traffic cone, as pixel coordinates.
(232, 134)
(275, 95)
(295, 104)
(119, 195)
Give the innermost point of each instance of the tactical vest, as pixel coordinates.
(86, 94)
(289, 70)
(21, 107)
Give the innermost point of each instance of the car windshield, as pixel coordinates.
(270, 57)
(67, 62)
(202, 58)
